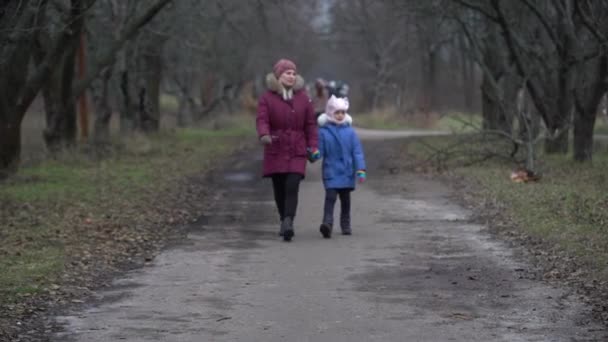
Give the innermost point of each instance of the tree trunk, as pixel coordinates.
(54, 116)
(10, 145)
(150, 116)
(187, 108)
(21, 82)
(489, 104)
(142, 108)
(584, 124)
(562, 114)
(492, 83)
(61, 122)
(376, 97)
(510, 89)
(528, 119)
(126, 107)
(529, 126)
(587, 103)
(228, 97)
(468, 83)
(16, 21)
(83, 104)
(127, 117)
(59, 100)
(498, 109)
(103, 113)
(183, 113)
(603, 109)
(208, 90)
(558, 144)
(431, 79)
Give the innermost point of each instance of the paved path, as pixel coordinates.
(416, 269)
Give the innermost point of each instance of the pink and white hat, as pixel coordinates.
(335, 104)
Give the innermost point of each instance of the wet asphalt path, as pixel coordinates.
(416, 269)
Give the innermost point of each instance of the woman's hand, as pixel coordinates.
(266, 139)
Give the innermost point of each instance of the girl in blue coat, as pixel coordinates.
(343, 163)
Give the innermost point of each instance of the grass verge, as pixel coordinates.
(567, 208)
(601, 125)
(391, 120)
(76, 209)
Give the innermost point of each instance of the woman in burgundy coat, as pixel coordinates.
(287, 128)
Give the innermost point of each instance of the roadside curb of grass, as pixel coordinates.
(89, 270)
(549, 262)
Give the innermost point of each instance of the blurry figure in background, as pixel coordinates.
(332, 88)
(338, 89)
(343, 91)
(319, 96)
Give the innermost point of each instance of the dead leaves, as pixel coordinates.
(99, 240)
(523, 175)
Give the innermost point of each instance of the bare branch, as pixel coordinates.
(544, 21)
(43, 70)
(233, 26)
(109, 54)
(599, 35)
(477, 8)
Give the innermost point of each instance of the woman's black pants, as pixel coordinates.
(286, 187)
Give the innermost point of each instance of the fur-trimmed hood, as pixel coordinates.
(323, 120)
(273, 84)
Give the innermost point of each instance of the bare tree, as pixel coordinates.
(544, 41)
(57, 92)
(592, 81)
(21, 24)
(220, 47)
(376, 41)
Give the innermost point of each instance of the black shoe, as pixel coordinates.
(287, 229)
(347, 232)
(288, 235)
(325, 230)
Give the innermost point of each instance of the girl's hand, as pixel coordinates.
(361, 176)
(313, 155)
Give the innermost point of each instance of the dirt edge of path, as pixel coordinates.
(176, 212)
(548, 262)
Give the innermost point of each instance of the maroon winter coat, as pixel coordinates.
(291, 124)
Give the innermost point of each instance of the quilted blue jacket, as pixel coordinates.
(342, 153)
